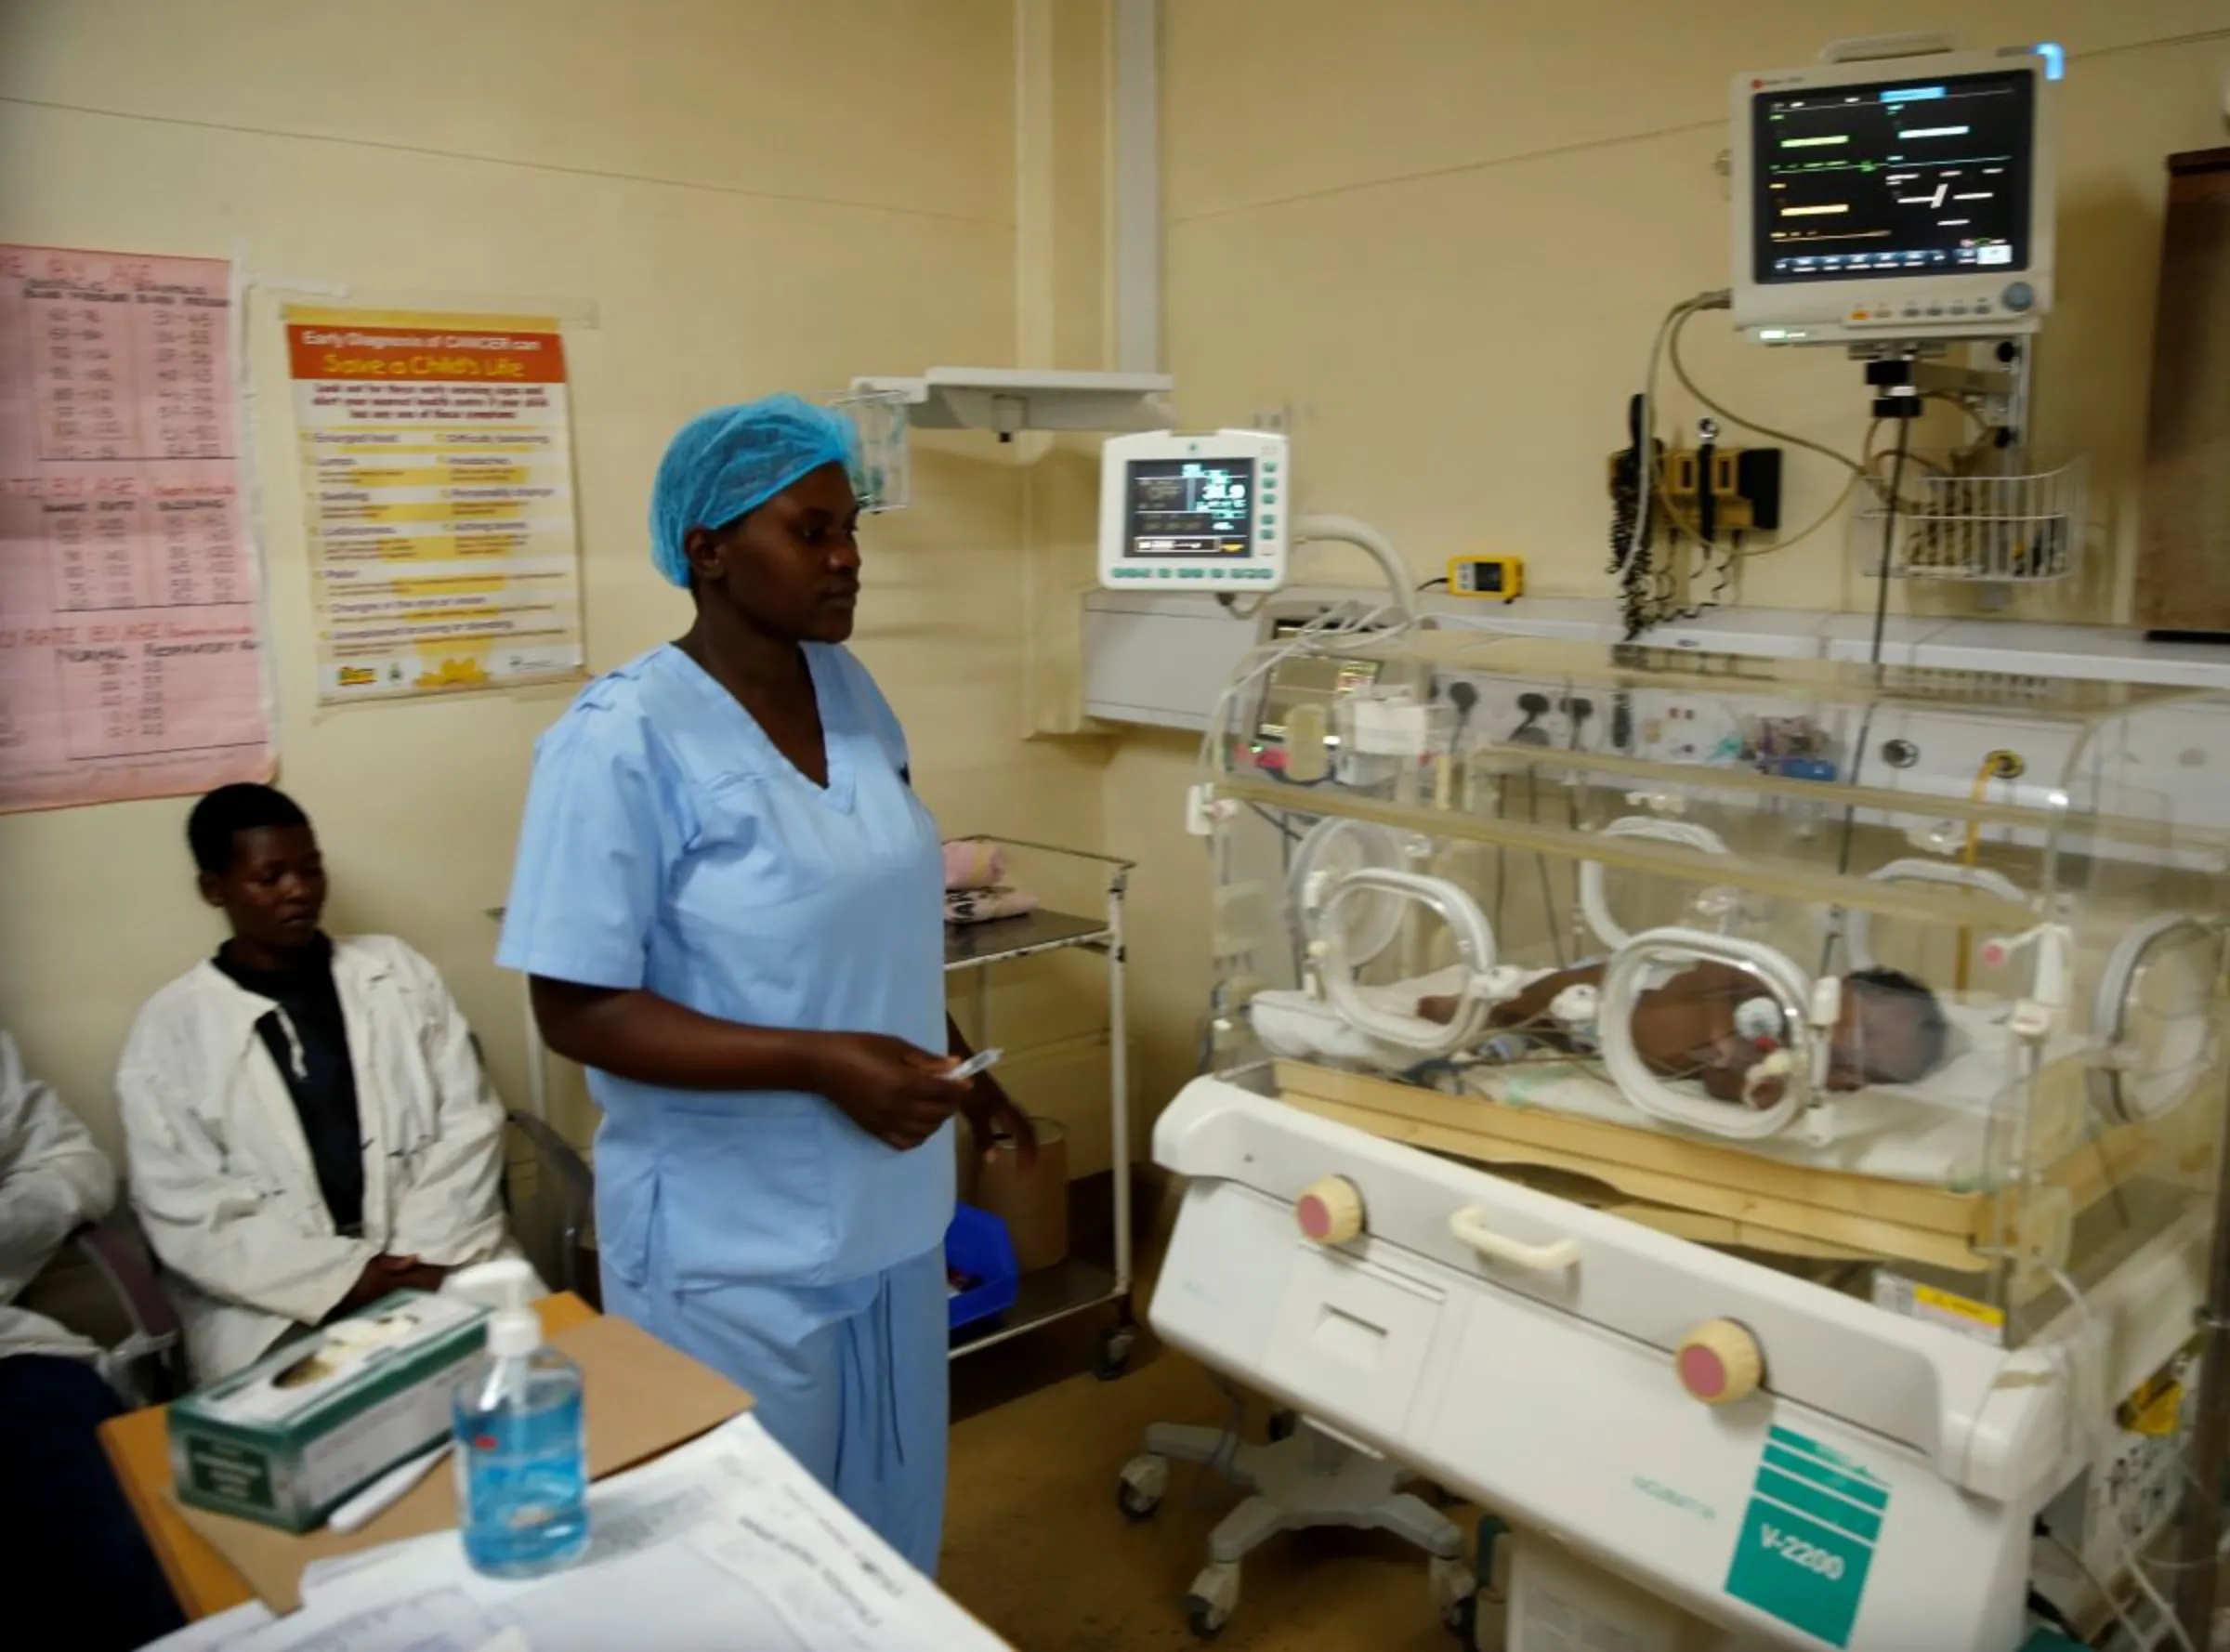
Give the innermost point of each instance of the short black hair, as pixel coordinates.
(1932, 1027)
(213, 828)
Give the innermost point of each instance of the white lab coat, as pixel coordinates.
(221, 1171)
(53, 1181)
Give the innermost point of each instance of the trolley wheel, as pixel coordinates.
(1283, 1425)
(1111, 1353)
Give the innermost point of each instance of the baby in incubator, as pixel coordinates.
(1712, 1022)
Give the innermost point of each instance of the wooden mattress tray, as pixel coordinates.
(1721, 1194)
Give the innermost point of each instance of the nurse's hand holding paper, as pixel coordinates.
(731, 907)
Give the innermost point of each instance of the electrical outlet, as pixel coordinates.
(1276, 420)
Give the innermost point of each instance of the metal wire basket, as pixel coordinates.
(2010, 525)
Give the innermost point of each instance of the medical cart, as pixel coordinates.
(1074, 1285)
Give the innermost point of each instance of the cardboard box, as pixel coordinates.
(291, 1438)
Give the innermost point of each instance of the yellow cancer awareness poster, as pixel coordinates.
(438, 475)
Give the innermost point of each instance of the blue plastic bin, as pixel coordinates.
(976, 1245)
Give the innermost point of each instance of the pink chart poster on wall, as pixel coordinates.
(130, 635)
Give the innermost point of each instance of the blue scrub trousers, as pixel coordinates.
(851, 1378)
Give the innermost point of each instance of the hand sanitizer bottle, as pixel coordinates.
(521, 1451)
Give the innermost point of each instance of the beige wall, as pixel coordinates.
(1443, 232)
(751, 194)
(1440, 230)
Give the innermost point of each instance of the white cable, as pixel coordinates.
(2138, 1638)
(1348, 531)
(1679, 371)
(2101, 1449)
(1666, 346)
(1645, 447)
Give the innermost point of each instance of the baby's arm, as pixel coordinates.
(1527, 1007)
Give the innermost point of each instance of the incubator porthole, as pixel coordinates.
(1900, 753)
(1776, 1089)
(2155, 1011)
(1335, 847)
(1594, 901)
(1980, 879)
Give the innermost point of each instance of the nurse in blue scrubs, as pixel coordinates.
(730, 903)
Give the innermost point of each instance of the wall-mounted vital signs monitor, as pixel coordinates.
(1895, 198)
(1209, 511)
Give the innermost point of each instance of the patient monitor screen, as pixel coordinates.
(1914, 178)
(1190, 507)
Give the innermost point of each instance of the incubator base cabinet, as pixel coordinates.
(1787, 1188)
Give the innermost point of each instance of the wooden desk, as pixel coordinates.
(138, 1448)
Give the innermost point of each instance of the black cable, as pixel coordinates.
(1540, 862)
(1429, 584)
(1285, 827)
(1727, 572)
(1889, 533)
(1633, 524)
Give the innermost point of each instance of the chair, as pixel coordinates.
(104, 1286)
(560, 1239)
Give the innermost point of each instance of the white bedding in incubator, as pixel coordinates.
(1933, 1131)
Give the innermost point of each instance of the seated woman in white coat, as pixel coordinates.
(306, 1121)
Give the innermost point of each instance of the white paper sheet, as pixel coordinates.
(219, 1634)
(725, 1543)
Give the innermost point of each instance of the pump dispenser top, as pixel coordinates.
(506, 1285)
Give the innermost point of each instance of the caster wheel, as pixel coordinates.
(1455, 1595)
(1112, 1352)
(1144, 1484)
(1283, 1426)
(1203, 1619)
(1213, 1598)
(1463, 1621)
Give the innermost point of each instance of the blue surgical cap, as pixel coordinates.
(734, 459)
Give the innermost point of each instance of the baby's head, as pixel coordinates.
(1891, 1032)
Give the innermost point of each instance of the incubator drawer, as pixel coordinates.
(1354, 1335)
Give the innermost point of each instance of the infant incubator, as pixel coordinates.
(1685, 1101)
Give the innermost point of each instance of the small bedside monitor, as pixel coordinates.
(1208, 511)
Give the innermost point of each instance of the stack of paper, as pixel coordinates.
(725, 1543)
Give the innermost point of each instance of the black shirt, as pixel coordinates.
(315, 1064)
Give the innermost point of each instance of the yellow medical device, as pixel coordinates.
(1501, 578)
